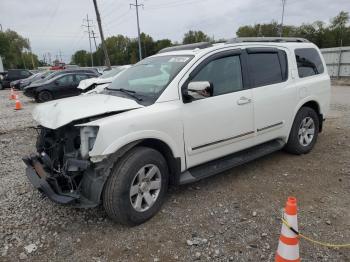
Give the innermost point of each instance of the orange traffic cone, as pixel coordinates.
(12, 94)
(288, 246)
(18, 104)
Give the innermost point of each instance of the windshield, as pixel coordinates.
(112, 72)
(150, 76)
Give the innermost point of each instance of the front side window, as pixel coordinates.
(150, 77)
(265, 68)
(224, 75)
(309, 62)
(65, 80)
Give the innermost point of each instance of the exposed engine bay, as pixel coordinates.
(60, 156)
(62, 169)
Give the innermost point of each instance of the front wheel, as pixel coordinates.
(44, 96)
(136, 188)
(305, 129)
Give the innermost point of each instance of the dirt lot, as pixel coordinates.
(230, 217)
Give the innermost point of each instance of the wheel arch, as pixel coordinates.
(313, 104)
(173, 161)
(94, 182)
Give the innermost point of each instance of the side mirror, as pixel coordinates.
(198, 90)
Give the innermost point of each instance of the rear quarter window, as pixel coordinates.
(308, 61)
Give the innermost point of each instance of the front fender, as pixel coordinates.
(136, 136)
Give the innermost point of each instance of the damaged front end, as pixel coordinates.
(61, 168)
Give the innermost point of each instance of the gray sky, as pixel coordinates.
(55, 25)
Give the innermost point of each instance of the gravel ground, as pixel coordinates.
(233, 216)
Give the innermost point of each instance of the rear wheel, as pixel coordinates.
(44, 96)
(136, 187)
(1, 87)
(305, 129)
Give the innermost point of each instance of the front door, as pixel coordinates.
(65, 86)
(222, 122)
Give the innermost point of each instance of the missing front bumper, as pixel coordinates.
(38, 177)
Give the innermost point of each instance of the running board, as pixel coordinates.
(225, 163)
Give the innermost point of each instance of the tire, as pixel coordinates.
(301, 140)
(44, 96)
(119, 199)
(1, 87)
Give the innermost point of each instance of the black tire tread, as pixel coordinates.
(44, 91)
(293, 146)
(115, 183)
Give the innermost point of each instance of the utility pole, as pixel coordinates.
(98, 18)
(94, 37)
(281, 29)
(60, 56)
(88, 26)
(1, 27)
(138, 25)
(49, 55)
(31, 53)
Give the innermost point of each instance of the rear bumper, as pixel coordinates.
(38, 178)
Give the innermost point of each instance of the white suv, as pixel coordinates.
(184, 114)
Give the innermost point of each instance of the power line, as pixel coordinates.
(119, 18)
(88, 26)
(138, 26)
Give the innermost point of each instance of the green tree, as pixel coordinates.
(80, 58)
(195, 37)
(12, 47)
(318, 32)
(338, 25)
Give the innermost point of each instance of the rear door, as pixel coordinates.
(220, 123)
(79, 77)
(274, 93)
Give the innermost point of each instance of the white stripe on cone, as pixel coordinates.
(293, 222)
(290, 252)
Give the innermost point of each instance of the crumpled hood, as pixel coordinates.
(60, 112)
(91, 81)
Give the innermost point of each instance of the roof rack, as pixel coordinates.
(200, 45)
(268, 39)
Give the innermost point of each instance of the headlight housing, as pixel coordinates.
(88, 136)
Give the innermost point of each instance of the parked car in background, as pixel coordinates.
(53, 74)
(61, 85)
(22, 83)
(106, 78)
(12, 75)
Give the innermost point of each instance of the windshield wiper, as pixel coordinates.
(126, 91)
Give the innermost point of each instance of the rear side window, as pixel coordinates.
(309, 62)
(268, 68)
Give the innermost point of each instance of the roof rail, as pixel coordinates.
(200, 45)
(267, 39)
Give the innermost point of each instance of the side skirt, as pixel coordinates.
(227, 162)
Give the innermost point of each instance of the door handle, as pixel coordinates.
(243, 100)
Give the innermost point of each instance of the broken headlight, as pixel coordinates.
(87, 139)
